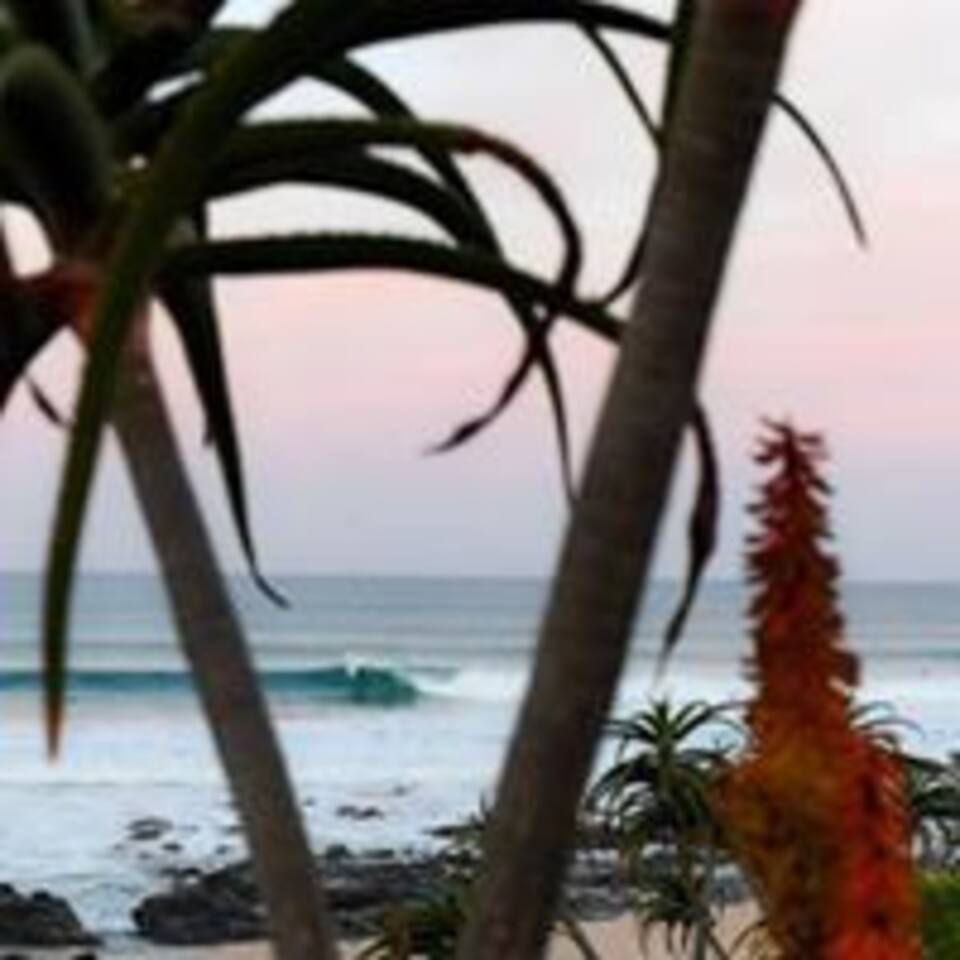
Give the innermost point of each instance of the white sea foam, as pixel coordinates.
(463, 645)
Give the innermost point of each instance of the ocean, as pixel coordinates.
(394, 698)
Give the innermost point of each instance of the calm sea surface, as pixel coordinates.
(391, 693)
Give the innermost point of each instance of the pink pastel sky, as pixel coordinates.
(342, 382)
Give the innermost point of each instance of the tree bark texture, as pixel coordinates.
(732, 68)
(214, 645)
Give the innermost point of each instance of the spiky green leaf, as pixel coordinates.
(256, 69)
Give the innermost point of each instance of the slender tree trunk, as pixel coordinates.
(731, 70)
(214, 645)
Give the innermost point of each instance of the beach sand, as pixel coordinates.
(612, 940)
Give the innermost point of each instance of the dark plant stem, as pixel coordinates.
(732, 68)
(214, 645)
(577, 934)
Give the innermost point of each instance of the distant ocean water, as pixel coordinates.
(390, 693)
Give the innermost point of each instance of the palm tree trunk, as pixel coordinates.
(731, 70)
(215, 648)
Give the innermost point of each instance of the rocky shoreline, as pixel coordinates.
(223, 906)
(220, 906)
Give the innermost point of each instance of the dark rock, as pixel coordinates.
(378, 854)
(148, 828)
(223, 905)
(40, 920)
(173, 847)
(84, 956)
(218, 907)
(350, 811)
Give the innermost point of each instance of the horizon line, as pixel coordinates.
(240, 574)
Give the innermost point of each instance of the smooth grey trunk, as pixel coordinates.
(732, 68)
(215, 647)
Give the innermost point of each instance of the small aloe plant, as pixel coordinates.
(655, 800)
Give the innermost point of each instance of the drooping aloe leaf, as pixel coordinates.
(702, 531)
(620, 73)
(317, 137)
(359, 251)
(191, 305)
(53, 143)
(353, 170)
(368, 89)
(255, 70)
(23, 331)
(264, 140)
(41, 400)
(139, 131)
(679, 48)
(326, 252)
(680, 39)
(60, 25)
(147, 43)
(422, 17)
(535, 354)
(821, 148)
(386, 179)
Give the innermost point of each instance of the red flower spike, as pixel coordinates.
(815, 810)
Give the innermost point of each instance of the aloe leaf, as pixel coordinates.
(680, 40)
(702, 533)
(23, 334)
(368, 89)
(318, 137)
(23, 331)
(147, 43)
(352, 170)
(677, 61)
(342, 251)
(534, 354)
(54, 145)
(45, 405)
(323, 252)
(190, 303)
(252, 72)
(60, 25)
(620, 73)
(419, 18)
(261, 141)
(138, 131)
(821, 148)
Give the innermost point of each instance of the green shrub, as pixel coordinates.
(940, 909)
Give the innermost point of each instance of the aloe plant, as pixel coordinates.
(119, 171)
(119, 124)
(655, 801)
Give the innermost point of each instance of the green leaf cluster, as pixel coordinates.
(121, 123)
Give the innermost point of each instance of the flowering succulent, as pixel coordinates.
(815, 808)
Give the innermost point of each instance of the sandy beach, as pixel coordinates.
(612, 940)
